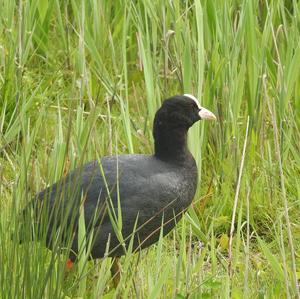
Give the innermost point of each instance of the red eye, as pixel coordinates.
(194, 105)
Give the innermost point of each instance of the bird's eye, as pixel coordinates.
(195, 106)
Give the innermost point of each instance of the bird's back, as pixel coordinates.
(134, 192)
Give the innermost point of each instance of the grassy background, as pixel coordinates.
(82, 79)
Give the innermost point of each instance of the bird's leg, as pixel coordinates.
(115, 272)
(69, 264)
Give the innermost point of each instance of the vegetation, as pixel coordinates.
(82, 79)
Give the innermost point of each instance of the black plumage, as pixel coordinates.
(146, 190)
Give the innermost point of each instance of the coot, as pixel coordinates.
(128, 197)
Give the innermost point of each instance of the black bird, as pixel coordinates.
(136, 193)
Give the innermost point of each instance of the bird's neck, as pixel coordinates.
(171, 145)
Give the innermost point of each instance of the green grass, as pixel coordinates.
(82, 79)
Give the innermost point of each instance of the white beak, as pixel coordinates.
(203, 113)
(206, 114)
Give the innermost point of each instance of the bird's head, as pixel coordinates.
(181, 112)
